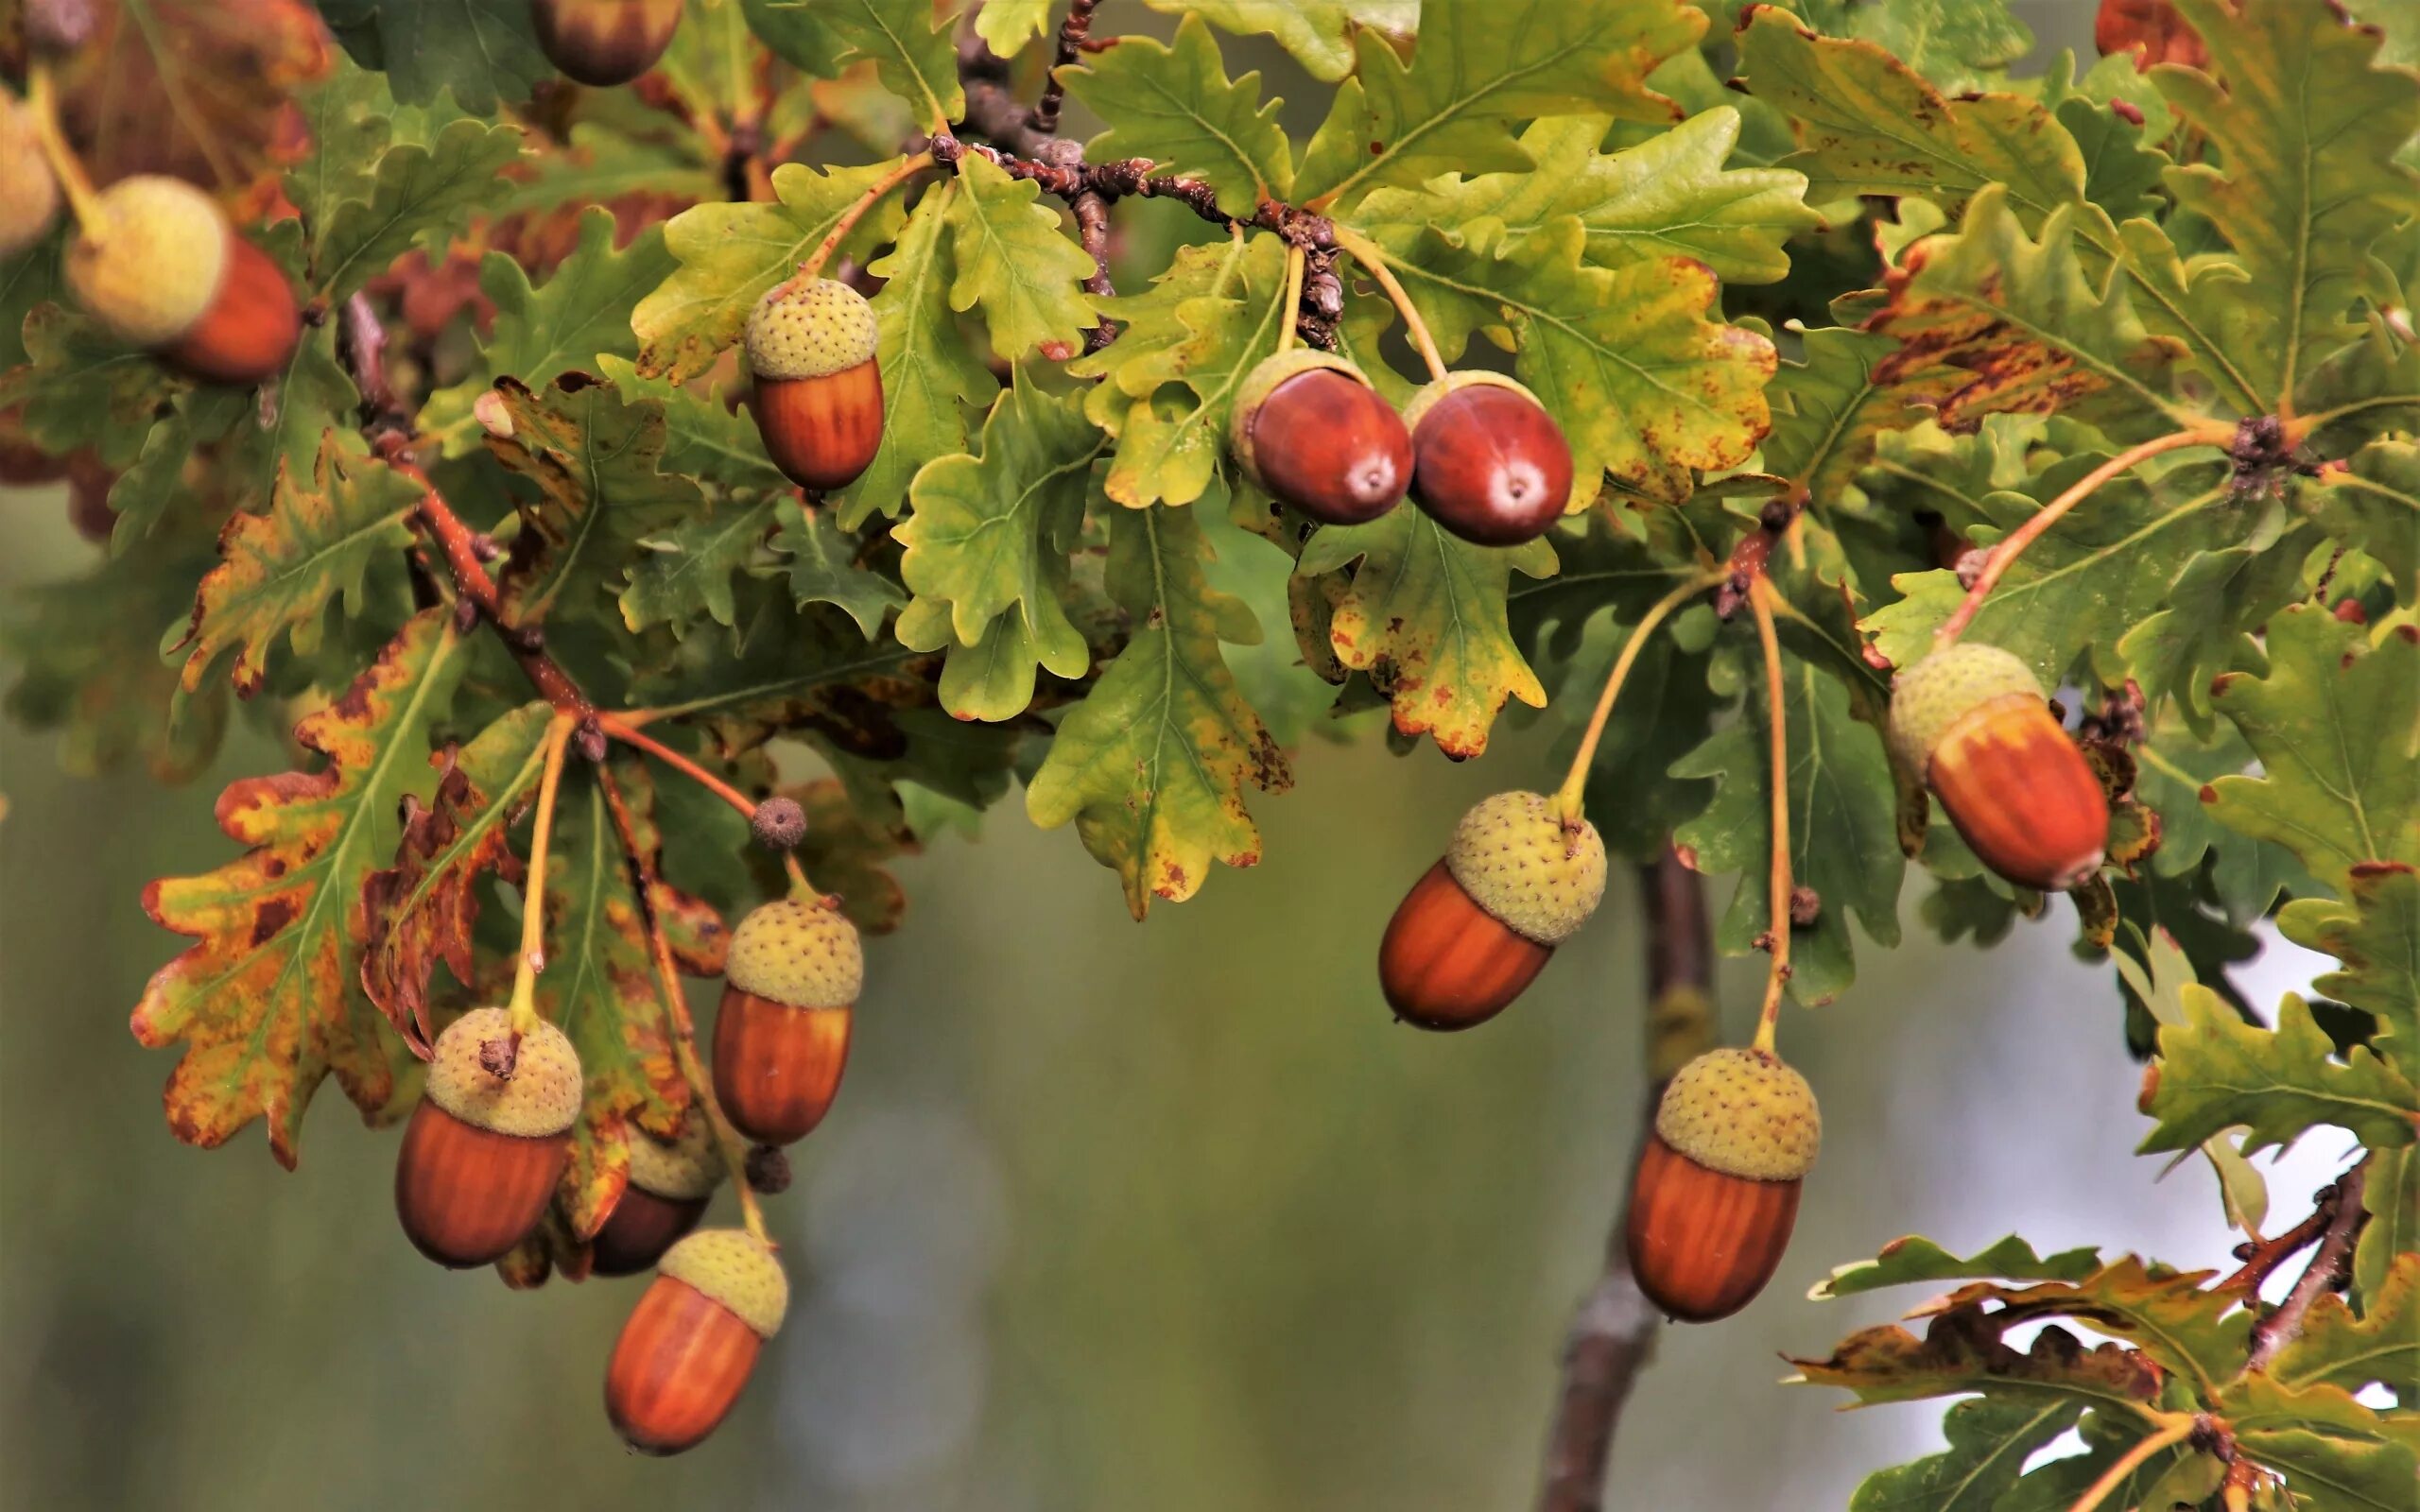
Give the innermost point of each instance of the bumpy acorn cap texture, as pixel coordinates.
(1437, 388)
(152, 263)
(824, 327)
(28, 191)
(1512, 855)
(797, 953)
(689, 1167)
(1945, 687)
(1264, 380)
(735, 1271)
(541, 1097)
(1744, 1114)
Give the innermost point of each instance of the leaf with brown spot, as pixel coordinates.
(1962, 1351)
(270, 1000)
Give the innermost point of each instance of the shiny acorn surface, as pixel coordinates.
(1445, 963)
(776, 1068)
(678, 1369)
(1702, 1243)
(467, 1194)
(1490, 465)
(1331, 447)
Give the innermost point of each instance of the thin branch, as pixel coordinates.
(1073, 33)
(2262, 1257)
(1613, 1334)
(2329, 1266)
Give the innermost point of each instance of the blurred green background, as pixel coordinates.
(1108, 1216)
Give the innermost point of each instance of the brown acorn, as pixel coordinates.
(782, 1038)
(688, 1350)
(1969, 720)
(1480, 924)
(1308, 427)
(1488, 462)
(28, 190)
(162, 267)
(1715, 1192)
(604, 41)
(819, 388)
(483, 1152)
(665, 1197)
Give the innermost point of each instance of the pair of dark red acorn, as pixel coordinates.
(490, 1142)
(1715, 1192)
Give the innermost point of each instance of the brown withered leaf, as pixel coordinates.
(1962, 1351)
(846, 846)
(200, 88)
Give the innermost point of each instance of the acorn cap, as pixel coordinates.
(1264, 380)
(735, 1271)
(799, 954)
(1945, 687)
(1744, 1114)
(28, 191)
(152, 262)
(686, 1168)
(1515, 858)
(541, 1097)
(814, 332)
(1437, 388)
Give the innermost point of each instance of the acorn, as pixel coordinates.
(1715, 1191)
(782, 1038)
(604, 41)
(1488, 462)
(819, 390)
(1308, 428)
(1480, 925)
(665, 1199)
(2153, 27)
(483, 1151)
(1970, 721)
(28, 191)
(686, 1352)
(162, 267)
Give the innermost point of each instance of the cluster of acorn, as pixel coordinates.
(490, 1142)
(1715, 1192)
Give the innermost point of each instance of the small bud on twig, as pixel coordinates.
(779, 822)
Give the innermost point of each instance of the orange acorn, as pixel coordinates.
(604, 41)
(1480, 924)
(688, 1350)
(665, 1197)
(2154, 27)
(819, 388)
(162, 267)
(1715, 1191)
(28, 190)
(782, 1038)
(483, 1152)
(1970, 721)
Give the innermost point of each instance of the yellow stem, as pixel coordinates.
(812, 268)
(83, 201)
(1368, 254)
(2004, 554)
(2174, 1431)
(1570, 799)
(1294, 259)
(523, 1007)
(1760, 594)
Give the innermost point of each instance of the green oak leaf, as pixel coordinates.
(1007, 25)
(1666, 197)
(791, 669)
(2391, 1196)
(282, 572)
(909, 45)
(2336, 725)
(2374, 931)
(2373, 502)
(1013, 264)
(731, 254)
(1319, 33)
(2309, 182)
(1644, 384)
(581, 314)
(1152, 766)
(350, 117)
(2216, 605)
(703, 438)
(684, 573)
(714, 67)
(1990, 1439)
(986, 542)
(1174, 104)
(2109, 1435)
(1958, 45)
(82, 387)
(2172, 769)
(420, 193)
(268, 1000)
(1425, 617)
(484, 51)
(2335, 1453)
(2217, 1071)
(823, 568)
(595, 461)
(2337, 1348)
(1843, 839)
(2096, 571)
(1477, 71)
(932, 379)
(1831, 412)
(1915, 1259)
